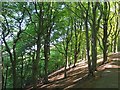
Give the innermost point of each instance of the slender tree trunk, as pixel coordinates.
(33, 74)
(66, 51)
(22, 72)
(46, 60)
(75, 57)
(105, 46)
(13, 61)
(47, 52)
(118, 45)
(87, 42)
(85, 55)
(65, 71)
(2, 81)
(6, 78)
(105, 34)
(111, 46)
(115, 45)
(115, 40)
(76, 41)
(14, 74)
(2, 66)
(14, 68)
(94, 36)
(47, 43)
(46, 68)
(39, 33)
(35, 63)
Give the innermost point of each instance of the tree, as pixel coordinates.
(94, 35)
(78, 34)
(6, 31)
(105, 28)
(39, 38)
(49, 26)
(87, 42)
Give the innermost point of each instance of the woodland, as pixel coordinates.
(40, 38)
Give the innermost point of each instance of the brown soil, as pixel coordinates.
(105, 77)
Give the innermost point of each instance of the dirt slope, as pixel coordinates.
(106, 76)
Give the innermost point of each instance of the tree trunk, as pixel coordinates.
(65, 71)
(75, 57)
(13, 61)
(14, 68)
(47, 53)
(6, 78)
(117, 30)
(94, 36)
(105, 45)
(35, 63)
(105, 34)
(76, 46)
(2, 67)
(87, 43)
(111, 49)
(46, 60)
(118, 45)
(38, 42)
(66, 51)
(34, 80)
(115, 45)
(22, 72)
(14, 74)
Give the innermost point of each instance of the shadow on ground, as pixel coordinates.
(105, 77)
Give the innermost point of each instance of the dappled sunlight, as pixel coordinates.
(79, 71)
(77, 74)
(112, 66)
(56, 72)
(79, 78)
(115, 56)
(59, 45)
(57, 77)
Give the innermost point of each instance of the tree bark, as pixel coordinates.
(22, 72)
(87, 42)
(94, 36)
(13, 62)
(115, 42)
(118, 45)
(66, 53)
(6, 78)
(46, 59)
(105, 33)
(76, 41)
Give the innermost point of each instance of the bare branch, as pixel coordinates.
(35, 4)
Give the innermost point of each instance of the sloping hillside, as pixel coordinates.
(105, 77)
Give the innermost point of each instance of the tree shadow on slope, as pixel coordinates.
(107, 78)
(64, 82)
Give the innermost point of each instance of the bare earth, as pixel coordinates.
(105, 77)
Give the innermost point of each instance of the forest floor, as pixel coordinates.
(106, 75)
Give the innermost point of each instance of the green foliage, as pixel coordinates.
(65, 20)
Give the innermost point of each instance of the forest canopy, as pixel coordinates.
(38, 38)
